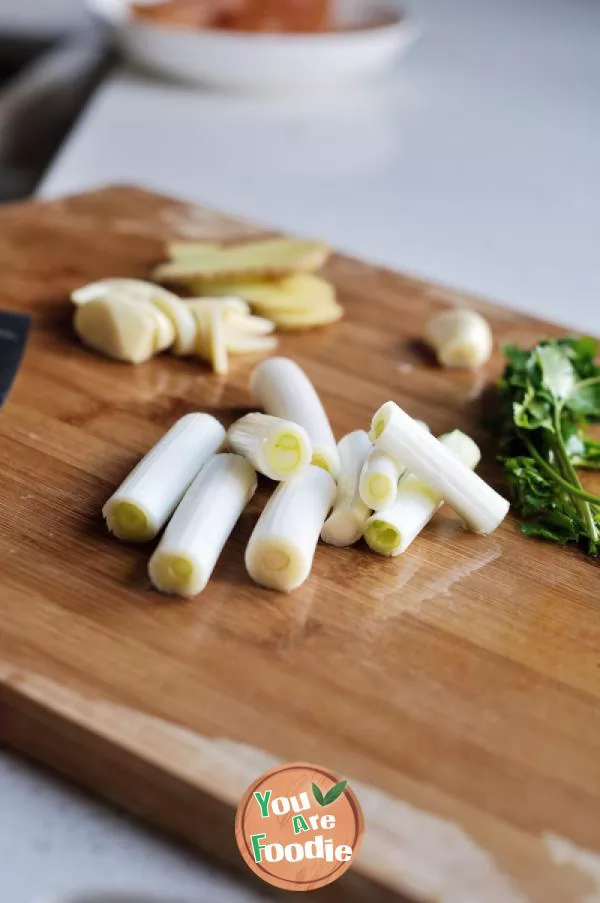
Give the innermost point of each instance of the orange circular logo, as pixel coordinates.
(299, 826)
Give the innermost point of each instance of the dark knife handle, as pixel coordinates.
(14, 329)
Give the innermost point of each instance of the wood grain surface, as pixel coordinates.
(457, 687)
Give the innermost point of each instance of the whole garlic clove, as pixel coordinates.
(460, 338)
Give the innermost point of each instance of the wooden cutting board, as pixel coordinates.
(457, 687)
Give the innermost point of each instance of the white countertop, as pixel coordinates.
(59, 846)
(475, 164)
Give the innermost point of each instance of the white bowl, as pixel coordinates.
(257, 62)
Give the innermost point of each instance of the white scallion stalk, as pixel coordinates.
(281, 549)
(278, 448)
(390, 532)
(284, 390)
(190, 547)
(379, 480)
(346, 523)
(403, 439)
(381, 419)
(143, 503)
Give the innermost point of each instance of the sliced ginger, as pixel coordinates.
(300, 301)
(267, 259)
(295, 292)
(271, 279)
(292, 320)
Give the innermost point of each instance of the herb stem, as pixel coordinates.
(590, 381)
(552, 472)
(569, 471)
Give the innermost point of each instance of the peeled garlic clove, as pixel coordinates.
(166, 302)
(118, 328)
(460, 338)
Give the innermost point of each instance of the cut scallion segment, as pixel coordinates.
(346, 523)
(480, 506)
(277, 448)
(143, 503)
(188, 552)
(284, 390)
(281, 549)
(390, 532)
(379, 480)
(381, 419)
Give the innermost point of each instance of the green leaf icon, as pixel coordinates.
(318, 795)
(333, 793)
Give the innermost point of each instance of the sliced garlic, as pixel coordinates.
(165, 331)
(258, 326)
(239, 342)
(211, 344)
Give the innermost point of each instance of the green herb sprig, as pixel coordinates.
(547, 396)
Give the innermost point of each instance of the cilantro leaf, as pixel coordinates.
(546, 397)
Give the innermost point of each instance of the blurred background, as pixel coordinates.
(471, 158)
